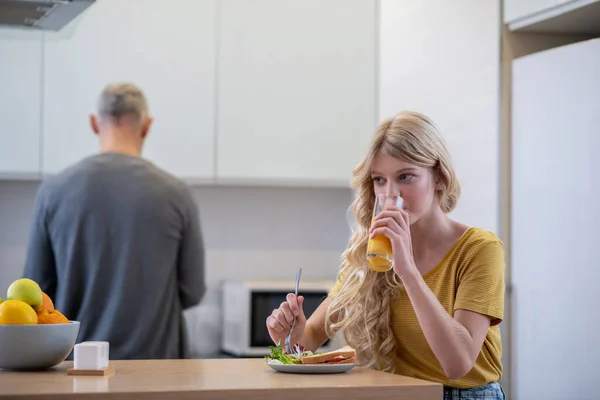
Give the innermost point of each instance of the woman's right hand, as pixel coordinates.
(280, 321)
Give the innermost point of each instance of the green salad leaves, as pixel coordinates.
(278, 356)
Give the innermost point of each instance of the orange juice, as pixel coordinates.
(379, 254)
(379, 249)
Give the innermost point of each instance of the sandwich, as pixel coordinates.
(345, 355)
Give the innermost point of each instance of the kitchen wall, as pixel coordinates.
(250, 233)
(456, 83)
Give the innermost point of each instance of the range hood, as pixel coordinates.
(45, 15)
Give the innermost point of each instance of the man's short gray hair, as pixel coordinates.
(122, 99)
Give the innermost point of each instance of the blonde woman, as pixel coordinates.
(435, 315)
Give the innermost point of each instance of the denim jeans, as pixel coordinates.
(491, 391)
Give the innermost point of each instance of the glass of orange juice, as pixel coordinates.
(379, 249)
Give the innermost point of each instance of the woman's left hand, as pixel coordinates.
(394, 223)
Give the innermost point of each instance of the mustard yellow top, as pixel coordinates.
(470, 277)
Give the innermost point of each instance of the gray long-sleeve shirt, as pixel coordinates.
(116, 243)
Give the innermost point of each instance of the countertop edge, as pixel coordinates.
(429, 392)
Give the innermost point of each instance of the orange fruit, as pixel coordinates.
(47, 303)
(46, 317)
(17, 312)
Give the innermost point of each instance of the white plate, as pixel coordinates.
(312, 368)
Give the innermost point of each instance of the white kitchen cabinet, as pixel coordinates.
(165, 47)
(553, 16)
(296, 89)
(515, 9)
(556, 222)
(450, 71)
(20, 97)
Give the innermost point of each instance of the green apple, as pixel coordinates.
(27, 291)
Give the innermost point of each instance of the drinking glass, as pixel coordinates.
(379, 249)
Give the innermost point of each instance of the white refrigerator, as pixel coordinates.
(556, 224)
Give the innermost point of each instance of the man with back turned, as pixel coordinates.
(116, 242)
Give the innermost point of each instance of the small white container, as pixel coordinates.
(91, 355)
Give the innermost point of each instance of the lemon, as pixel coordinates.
(17, 312)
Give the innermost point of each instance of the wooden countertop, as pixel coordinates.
(218, 379)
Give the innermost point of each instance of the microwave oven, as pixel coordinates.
(246, 306)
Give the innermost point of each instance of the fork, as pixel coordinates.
(288, 348)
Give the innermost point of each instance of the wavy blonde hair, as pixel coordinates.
(362, 306)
